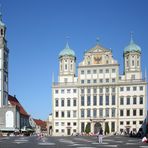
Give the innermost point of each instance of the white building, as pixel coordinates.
(99, 96)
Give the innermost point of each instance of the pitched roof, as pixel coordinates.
(40, 123)
(14, 102)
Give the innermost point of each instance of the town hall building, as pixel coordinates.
(98, 96)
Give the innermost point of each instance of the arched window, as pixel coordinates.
(2, 32)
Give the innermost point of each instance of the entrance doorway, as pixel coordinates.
(97, 127)
(68, 131)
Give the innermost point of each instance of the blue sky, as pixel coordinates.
(37, 30)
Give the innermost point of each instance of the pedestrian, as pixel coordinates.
(100, 135)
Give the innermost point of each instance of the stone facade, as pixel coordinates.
(99, 95)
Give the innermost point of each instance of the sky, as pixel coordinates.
(37, 31)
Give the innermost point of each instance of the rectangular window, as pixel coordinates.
(88, 90)
(121, 100)
(107, 90)
(107, 71)
(113, 90)
(141, 88)
(113, 112)
(68, 114)
(134, 88)
(134, 100)
(113, 99)
(94, 113)
(88, 113)
(112, 126)
(74, 114)
(128, 112)
(56, 91)
(100, 112)
(141, 112)
(107, 112)
(101, 90)
(100, 100)
(107, 80)
(88, 81)
(121, 122)
(95, 90)
(68, 91)
(127, 88)
(134, 112)
(82, 71)
(68, 102)
(62, 91)
(113, 80)
(62, 102)
(88, 71)
(82, 91)
(107, 99)
(113, 70)
(74, 90)
(101, 71)
(94, 100)
(56, 102)
(82, 81)
(121, 88)
(82, 100)
(121, 112)
(95, 81)
(128, 100)
(74, 102)
(94, 71)
(141, 100)
(62, 114)
(57, 114)
(134, 122)
(82, 113)
(88, 101)
(101, 80)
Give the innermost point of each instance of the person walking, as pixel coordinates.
(100, 135)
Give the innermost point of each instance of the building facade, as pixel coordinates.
(99, 95)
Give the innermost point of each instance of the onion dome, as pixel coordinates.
(132, 47)
(67, 51)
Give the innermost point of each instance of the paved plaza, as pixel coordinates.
(72, 141)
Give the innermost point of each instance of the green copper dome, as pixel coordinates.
(132, 47)
(67, 51)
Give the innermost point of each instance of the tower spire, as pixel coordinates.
(67, 45)
(97, 40)
(131, 41)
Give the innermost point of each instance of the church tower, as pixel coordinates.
(67, 61)
(132, 61)
(4, 51)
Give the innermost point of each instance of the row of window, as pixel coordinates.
(63, 91)
(113, 80)
(94, 71)
(63, 102)
(133, 88)
(132, 122)
(95, 101)
(129, 112)
(95, 90)
(66, 114)
(94, 113)
(131, 100)
(63, 131)
(68, 123)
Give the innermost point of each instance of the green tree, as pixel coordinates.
(87, 129)
(107, 131)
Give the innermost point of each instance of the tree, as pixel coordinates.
(107, 131)
(87, 129)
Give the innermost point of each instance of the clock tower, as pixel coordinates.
(4, 51)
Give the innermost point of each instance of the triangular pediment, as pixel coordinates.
(97, 49)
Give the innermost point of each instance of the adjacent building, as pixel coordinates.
(98, 95)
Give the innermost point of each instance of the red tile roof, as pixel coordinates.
(40, 123)
(13, 101)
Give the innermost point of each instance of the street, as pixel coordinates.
(72, 141)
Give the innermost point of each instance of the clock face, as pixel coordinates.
(97, 59)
